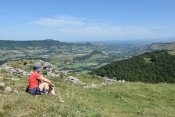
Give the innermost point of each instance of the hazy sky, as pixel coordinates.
(86, 20)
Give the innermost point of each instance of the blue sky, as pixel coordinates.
(86, 20)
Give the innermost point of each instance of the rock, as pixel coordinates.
(74, 80)
(53, 75)
(2, 84)
(93, 85)
(104, 84)
(123, 80)
(8, 89)
(61, 100)
(109, 81)
(12, 70)
(1, 88)
(47, 67)
(15, 91)
(119, 81)
(14, 78)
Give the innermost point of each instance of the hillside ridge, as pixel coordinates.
(152, 67)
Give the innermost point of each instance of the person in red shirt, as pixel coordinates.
(38, 84)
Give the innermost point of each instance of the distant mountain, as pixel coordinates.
(16, 50)
(162, 46)
(48, 43)
(153, 67)
(143, 41)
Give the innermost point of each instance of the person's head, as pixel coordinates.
(38, 67)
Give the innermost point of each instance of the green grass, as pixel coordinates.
(12, 56)
(77, 65)
(93, 57)
(84, 72)
(102, 64)
(92, 63)
(130, 99)
(172, 52)
(147, 60)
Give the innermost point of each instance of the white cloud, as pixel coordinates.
(101, 33)
(58, 21)
(67, 28)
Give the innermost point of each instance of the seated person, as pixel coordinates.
(38, 84)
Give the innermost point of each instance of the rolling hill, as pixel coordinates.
(48, 43)
(152, 67)
(162, 46)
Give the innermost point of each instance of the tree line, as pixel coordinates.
(152, 67)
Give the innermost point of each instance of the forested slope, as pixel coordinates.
(153, 67)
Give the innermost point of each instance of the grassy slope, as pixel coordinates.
(117, 99)
(172, 52)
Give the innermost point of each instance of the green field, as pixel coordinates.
(129, 99)
(77, 65)
(87, 63)
(95, 57)
(171, 52)
(147, 60)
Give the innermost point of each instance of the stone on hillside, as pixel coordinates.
(7, 69)
(15, 91)
(2, 84)
(53, 75)
(13, 70)
(109, 81)
(103, 84)
(74, 80)
(8, 89)
(47, 65)
(123, 80)
(93, 85)
(24, 73)
(57, 75)
(49, 74)
(1, 88)
(14, 78)
(28, 73)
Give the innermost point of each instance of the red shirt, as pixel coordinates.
(33, 80)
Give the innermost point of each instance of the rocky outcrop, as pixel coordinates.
(74, 80)
(12, 70)
(47, 67)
